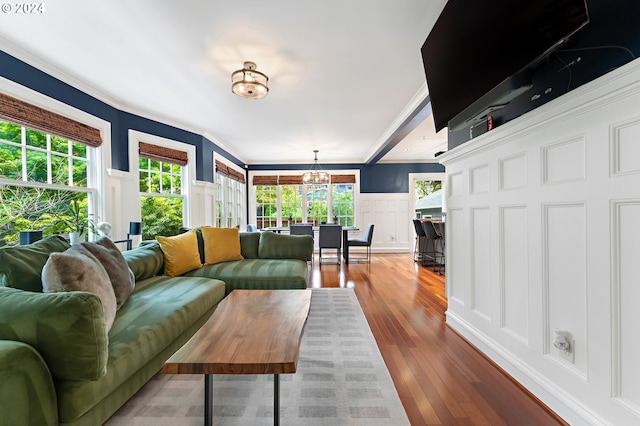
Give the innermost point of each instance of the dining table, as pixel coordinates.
(345, 236)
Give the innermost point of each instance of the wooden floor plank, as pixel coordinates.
(441, 379)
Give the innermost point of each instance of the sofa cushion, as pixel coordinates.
(180, 253)
(157, 313)
(146, 260)
(252, 274)
(122, 279)
(249, 242)
(77, 269)
(68, 330)
(284, 246)
(220, 244)
(21, 266)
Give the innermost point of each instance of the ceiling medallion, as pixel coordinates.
(249, 83)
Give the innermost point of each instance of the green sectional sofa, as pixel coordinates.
(58, 364)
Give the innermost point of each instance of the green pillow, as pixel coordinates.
(285, 246)
(67, 329)
(249, 242)
(145, 261)
(21, 266)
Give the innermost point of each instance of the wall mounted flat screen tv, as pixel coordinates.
(477, 55)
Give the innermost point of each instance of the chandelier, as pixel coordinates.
(315, 175)
(249, 83)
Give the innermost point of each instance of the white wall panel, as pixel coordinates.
(481, 292)
(565, 281)
(562, 197)
(479, 180)
(625, 147)
(514, 262)
(393, 231)
(456, 258)
(626, 248)
(564, 161)
(513, 172)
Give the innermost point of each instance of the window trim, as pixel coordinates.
(188, 177)
(101, 156)
(235, 173)
(252, 191)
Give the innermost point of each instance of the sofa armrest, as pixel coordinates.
(27, 394)
(284, 246)
(66, 328)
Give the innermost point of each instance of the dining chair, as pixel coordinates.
(421, 241)
(301, 229)
(362, 242)
(330, 237)
(437, 242)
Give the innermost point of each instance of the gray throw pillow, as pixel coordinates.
(78, 270)
(120, 275)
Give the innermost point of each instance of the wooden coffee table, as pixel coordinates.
(250, 332)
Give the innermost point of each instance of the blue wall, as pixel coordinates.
(381, 178)
(378, 178)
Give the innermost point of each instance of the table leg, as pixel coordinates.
(276, 399)
(208, 400)
(345, 245)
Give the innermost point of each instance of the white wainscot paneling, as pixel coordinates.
(513, 172)
(479, 180)
(564, 161)
(456, 184)
(390, 214)
(564, 234)
(625, 148)
(481, 262)
(514, 280)
(457, 248)
(626, 246)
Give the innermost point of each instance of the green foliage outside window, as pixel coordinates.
(426, 187)
(342, 204)
(53, 211)
(161, 216)
(34, 160)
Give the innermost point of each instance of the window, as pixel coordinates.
(292, 211)
(342, 203)
(283, 200)
(266, 206)
(230, 196)
(161, 195)
(317, 203)
(45, 184)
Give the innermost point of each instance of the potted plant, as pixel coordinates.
(73, 221)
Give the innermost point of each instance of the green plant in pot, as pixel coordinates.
(74, 221)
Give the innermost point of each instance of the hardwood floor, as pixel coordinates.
(441, 379)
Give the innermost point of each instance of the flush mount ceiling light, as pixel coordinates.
(249, 83)
(315, 175)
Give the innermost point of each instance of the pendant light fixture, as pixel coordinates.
(315, 175)
(249, 83)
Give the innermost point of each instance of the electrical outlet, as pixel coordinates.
(569, 355)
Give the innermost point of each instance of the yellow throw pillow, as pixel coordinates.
(221, 244)
(180, 253)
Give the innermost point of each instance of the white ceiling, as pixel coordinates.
(343, 73)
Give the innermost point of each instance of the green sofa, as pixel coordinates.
(58, 364)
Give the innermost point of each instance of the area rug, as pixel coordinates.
(341, 380)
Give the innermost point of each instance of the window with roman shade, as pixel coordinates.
(230, 199)
(53, 162)
(19, 112)
(281, 200)
(163, 154)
